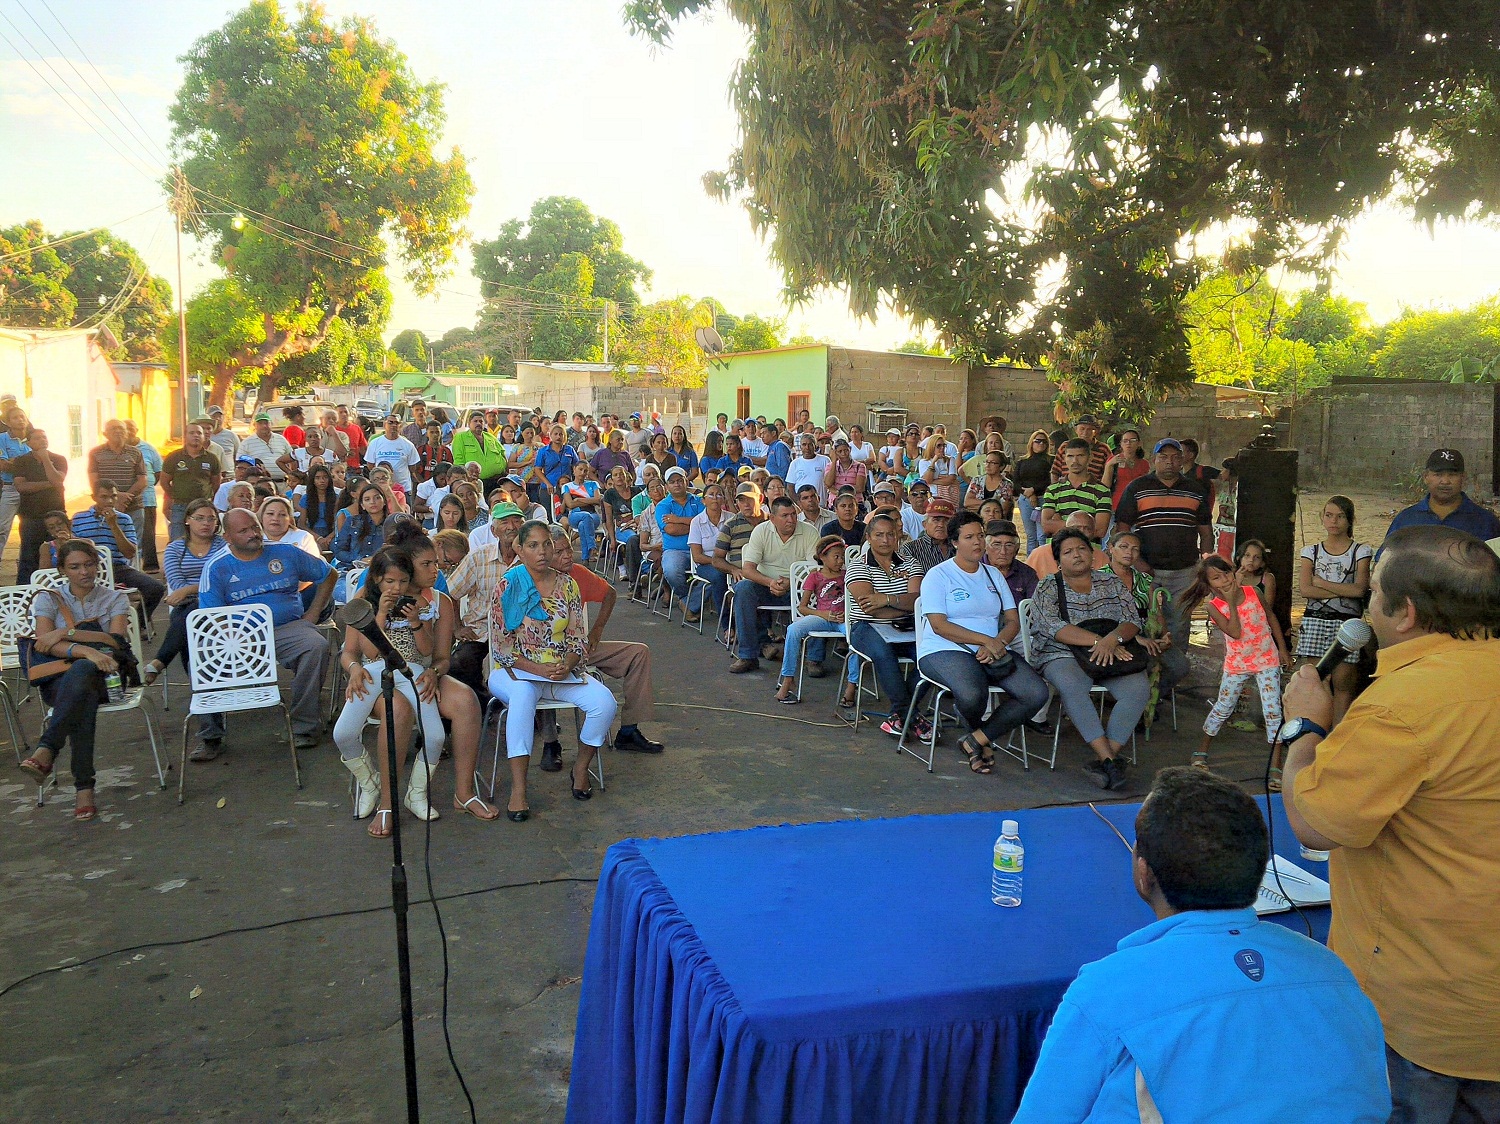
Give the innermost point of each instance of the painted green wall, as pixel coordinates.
(771, 376)
(417, 380)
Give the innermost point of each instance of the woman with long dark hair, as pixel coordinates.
(1334, 576)
(451, 514)
(1033, 475)
(364, 533)
(687, 459)
(320, 503)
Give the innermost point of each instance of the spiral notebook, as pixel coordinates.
(1304, 888)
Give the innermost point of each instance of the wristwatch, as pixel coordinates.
(1298, 727)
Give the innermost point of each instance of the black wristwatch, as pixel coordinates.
(1299, 727)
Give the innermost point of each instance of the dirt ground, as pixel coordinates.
(288, 1019)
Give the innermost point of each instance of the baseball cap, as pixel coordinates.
(262, 417)
(1165, 443)
(251, 461)
(943, 509)
(1445, 460)
(676, 470)
(505, 509)
(216, 410)
(886, 486)
(919, 484)
(745, 470)
(635, 417)
(516, 480)
(893, 433)
(748, 488)
(1087, 419)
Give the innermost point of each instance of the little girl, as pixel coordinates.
(1250, 557)
(1253, 648)
(822, 609)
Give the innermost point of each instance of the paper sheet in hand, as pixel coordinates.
(528, 677)
(1305, 889)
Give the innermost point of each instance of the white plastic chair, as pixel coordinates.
(135, 699)
(940, 689)
(801, 571)
(15, 622)
(890, 635)
(233, 654)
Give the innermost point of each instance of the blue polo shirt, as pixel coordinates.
(10, 449)
(556, 464)
(778, 458)
(274, 580)
(88, 525)
(684, 510)
(1218, 1016)
(1478, 521)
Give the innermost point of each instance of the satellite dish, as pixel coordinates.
(710, 341)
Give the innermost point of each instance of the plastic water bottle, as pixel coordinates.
(1010, 858)
(114, 688)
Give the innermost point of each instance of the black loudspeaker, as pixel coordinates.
(1267, 510)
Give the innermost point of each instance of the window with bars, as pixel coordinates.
(75, 431)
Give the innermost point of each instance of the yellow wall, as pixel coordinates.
(152, 409)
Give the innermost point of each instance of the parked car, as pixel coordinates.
(369, 412)
(312, 410)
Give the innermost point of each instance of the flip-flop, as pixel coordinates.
(375, 822)
(468, 806)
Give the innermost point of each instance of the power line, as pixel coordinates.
(80, 234)
(131, 160)
(143, 131)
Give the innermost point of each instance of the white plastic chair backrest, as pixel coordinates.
(106, 568)
(133, 632)
(353, 581)
(801, 571)
(232, 647)
(852, 554)
(1024, 611)
(921, 618)
(15, 621)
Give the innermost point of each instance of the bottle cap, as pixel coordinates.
(1010, 827)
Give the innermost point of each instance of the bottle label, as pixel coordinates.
(1009, 863)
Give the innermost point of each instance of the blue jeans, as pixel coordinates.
(177, 522)
(675, 565)
(1420, 1096)
(718, 585)
(1031, 516)
(969, 681)
(75, 698)
(817, 647)
(586, 523)
(1130, 693)
(749, 625)
(896, 684)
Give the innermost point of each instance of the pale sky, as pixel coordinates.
(545, 97)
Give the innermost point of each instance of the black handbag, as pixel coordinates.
(1101, 626)
(1006, 663)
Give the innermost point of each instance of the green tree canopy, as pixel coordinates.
(311, 146)
(34, 289)
(661, 338)
(1019, 174)
(411, 347)
(1426, 344)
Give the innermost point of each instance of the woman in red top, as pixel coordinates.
(1130, 463)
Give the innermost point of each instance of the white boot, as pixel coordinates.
(367, 777)
(416, 792)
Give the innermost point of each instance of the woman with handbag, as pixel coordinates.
(1085, 624)
(969, 618)
(1334, 576)
(80, 637)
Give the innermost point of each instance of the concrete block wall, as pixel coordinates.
(1373, 435)
(931, 388)
(1195, 415)
(1021, 395)
(599, 392)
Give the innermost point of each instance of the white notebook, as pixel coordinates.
(1303, 888)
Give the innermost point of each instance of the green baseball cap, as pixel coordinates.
(505, 509)
(262, 417)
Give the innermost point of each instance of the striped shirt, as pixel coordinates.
(1065, 498)
(180, 566)
(1167, 518)
(121, 469)
(733, 536)
(894, 583)
(88, 525)
(924, 552)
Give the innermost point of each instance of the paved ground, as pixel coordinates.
(301, 1021)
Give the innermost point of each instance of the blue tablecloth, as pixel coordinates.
(845, 971)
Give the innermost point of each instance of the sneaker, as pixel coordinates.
(892, 725)
(208, 751)
(307, 741)
(1099, 772)
(1116, 770)
(922, 728)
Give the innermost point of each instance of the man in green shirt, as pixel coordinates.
(478, 445)
(1075, 492)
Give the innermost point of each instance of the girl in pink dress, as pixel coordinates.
(1253, 649)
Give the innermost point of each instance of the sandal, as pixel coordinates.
(978, 762)
(151, 672)
(375, 828)
(476, 808)
(35, 769)
(84, 814)
(1273, 783)
(1199, 759)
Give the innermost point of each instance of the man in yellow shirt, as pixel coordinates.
(1405, 793)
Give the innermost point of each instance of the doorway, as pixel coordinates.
(795, 404)
(742, 402)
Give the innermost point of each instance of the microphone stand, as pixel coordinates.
(399, 900)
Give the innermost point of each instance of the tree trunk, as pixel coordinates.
(221, 388)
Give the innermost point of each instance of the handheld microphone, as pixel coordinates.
(1352, 635)
(359, 615)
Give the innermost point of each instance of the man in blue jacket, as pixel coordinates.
(1209, 1014)
(1446, 504)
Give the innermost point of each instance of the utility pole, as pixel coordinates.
(182, 203)
(606, 331)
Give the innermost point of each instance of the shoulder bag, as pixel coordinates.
(1100, 626)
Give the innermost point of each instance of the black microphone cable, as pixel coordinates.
(1270, 836)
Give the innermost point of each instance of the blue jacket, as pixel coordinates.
(1212, 1015)
(1478, 521)
(778, 458)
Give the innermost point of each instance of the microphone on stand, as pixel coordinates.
(1353, 634)
(359, 615)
